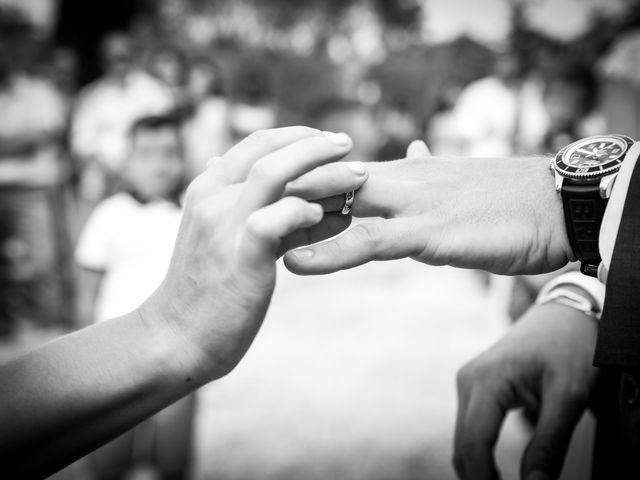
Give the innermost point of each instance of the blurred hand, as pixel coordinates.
(542, 364)
(500, 215)
(238, 220)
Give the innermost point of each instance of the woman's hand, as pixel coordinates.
(238, 219)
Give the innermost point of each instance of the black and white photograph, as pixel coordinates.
(319, 240)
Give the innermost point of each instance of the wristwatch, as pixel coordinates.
(585, 172)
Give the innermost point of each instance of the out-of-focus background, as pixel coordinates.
(353, 375)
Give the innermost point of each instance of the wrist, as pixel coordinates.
(176, 349)
(207, 333)
(550, 213)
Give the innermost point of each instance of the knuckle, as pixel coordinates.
(572, 392)
(193, 189)
(263, 171)
(466, 375)
(545, 453)
(202, 214)
(254, 226)
(367, 234)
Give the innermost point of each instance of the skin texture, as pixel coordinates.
(92, 385)
(543, 364)
(499, 215)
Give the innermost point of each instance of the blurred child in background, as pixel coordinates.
(124, 252)
(105, 111)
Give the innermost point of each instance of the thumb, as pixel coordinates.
(544, 456)
(418, 148)
(382, 240)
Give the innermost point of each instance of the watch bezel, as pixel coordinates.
(597, 171)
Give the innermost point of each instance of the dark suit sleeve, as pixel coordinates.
(618, 343)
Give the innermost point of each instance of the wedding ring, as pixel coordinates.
(349, 197)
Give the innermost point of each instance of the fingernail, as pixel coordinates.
(340, 139)
(357, 167)
(537, 475)
(303, 254)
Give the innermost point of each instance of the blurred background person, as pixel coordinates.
(442, 129)
(33, 168)
(105, 111)
(398, 128)
(124, 252)
(501, 114)
(354, 118)
(62, 69)
(168, 63)
(253, 105)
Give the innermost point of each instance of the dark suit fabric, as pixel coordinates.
(617, 453)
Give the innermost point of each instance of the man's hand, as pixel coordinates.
(542, 364)
(238, 219)
(500, 215)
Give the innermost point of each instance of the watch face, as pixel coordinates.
(592, 156)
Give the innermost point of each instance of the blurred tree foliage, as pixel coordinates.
(540, 53)
(289, 46)
(412, 80)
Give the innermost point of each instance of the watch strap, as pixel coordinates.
(584, 209)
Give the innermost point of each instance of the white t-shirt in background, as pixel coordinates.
(132, 243)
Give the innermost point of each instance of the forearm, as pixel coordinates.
(74, 394)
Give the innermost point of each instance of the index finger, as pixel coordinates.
(477, 430)
(560, 412)
(234, 166)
